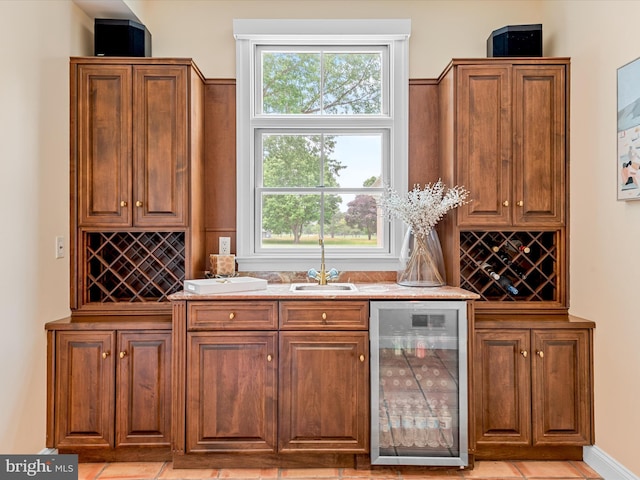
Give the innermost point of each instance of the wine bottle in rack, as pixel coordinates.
(507, 285)
(488, 269)
(519, 246)
(509, 262)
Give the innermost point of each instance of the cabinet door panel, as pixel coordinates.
(539, 152)
(85, 378)
(231, 388)
(144, 393)
(160, 145)
(502, 387)
(484, 144)
(560, 387)
(323, 392)
(104, 145)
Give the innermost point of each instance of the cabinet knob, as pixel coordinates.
(505, 203)
(123, 203)
(540, 353)
(232, 316)
(269, 358)
(138, 203)
(520, 203)
(524, 353)
(123, 354)
(361, 358)
(106, 354)
(324, 315)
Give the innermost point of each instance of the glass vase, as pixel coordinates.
(421, 261)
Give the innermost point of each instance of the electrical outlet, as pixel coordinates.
(60, 247)
(225, 246)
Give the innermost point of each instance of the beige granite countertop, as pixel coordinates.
(366, 291)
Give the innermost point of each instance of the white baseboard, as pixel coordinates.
(48, 451)
(605, 465)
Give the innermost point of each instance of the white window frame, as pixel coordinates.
(251, 34)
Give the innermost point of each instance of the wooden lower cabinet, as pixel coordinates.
(323, 392)
(231, 392)
(532, 388)
(109, 391)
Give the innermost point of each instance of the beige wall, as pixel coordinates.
(37, 39)
(39, 36)
(605, 234)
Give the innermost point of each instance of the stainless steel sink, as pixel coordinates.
(328, 288)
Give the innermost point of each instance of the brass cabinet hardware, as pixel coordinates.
(269, 358)
(324, 315)
(123, 354)
(232, 316)
(505, 203)
(361, 358)
(106, 354)
(138, 203)
(520, 203)
(123, 203)
(540, 353)
(524, 353)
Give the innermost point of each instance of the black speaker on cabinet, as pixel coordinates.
(121, 38)
(516, 41)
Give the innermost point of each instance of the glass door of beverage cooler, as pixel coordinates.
(419, 383)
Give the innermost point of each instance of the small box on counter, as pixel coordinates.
(222, 264)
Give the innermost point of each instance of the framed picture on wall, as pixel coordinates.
(628, 161)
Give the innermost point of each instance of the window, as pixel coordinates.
(322, 128)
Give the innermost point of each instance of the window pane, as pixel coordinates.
(352, 84)
(358, 160)
(288, 219)
(291, 160)
(291, 83)
(359, 223)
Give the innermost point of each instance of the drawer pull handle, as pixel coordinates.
(324, 315)
(361, 358)
(232, 316)
(123, 203)
(540, 353)
(520, 203)
(123, 354)
(505, 203)
(269, 358)
(105, 354)
(524, 353)
(138, 203)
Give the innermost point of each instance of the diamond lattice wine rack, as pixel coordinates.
(134, 267)
(489, 261)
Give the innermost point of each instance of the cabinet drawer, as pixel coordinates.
(232, 316)
(330, 315)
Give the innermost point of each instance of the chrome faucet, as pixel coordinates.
(323, 276)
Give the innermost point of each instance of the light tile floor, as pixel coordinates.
(484, 470)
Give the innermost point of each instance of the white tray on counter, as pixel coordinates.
(224, 285)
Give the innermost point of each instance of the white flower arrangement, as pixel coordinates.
(422, 209)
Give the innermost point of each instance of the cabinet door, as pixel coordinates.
(484, 143)
(324, 399)
(103, 145)
(539, 144)
(231, 388)
(84, 389)
(160, 145)
(502, 387)
(561, 403)
(143, 403)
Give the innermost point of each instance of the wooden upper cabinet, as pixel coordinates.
(132, 145)
(511, 142)
(103, 142)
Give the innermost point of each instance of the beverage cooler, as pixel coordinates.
(419, 383)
